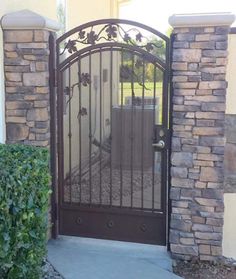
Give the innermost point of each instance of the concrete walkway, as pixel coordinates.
(84, 258)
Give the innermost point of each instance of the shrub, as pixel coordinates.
(24, 194)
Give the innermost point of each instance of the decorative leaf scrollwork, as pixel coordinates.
(111, 31)
(92, 37)
(139, 37)
(81, 34)
(71, 46)
(85, 79)
(82, 112)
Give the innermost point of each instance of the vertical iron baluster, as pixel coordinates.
(142, 131)
(111, 100)
(90, 133)
(154, 136)
(100, 135)
(79, 116)
(70, 134)
(60, 137)
(132, 129)
(121, 136)
(165, 118)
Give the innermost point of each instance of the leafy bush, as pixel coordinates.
(24, 194)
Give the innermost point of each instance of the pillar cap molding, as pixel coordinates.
(201, 19)
(26, 19)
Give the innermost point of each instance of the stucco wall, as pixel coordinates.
(230, 76)
(229, 232)
(43, 7)
(80, 11)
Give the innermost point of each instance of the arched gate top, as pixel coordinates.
(115, 32)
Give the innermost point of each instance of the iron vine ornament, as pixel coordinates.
(112, 32)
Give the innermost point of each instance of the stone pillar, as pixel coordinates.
(199, 91)
(26, 58)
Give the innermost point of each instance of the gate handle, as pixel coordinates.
(159, 144)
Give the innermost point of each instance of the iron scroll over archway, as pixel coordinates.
(113, 106)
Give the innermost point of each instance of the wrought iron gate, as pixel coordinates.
(113, 107)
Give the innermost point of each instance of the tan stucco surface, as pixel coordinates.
(230, 77)
(229, 233)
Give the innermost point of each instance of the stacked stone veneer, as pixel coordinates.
(26, 54)
(199, 68)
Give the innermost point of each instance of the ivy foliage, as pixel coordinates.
(24, 200)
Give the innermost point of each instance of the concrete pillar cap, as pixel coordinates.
(26, 19)
(201, 19)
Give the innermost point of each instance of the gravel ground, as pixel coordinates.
(49, 272)
(204, 270)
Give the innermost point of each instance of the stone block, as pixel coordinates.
(174, 237)
(216, 251)
(35, 79)
(205, 249)
(15, 119)
(185, 85)
(210, 157)
(204, 92)
(198, 220)
(214, 222)
(179, 79)
(209, 174)
(212, 85)
(200, 184)
(222, 30)
(16, 132)
(202, 37)
(38, 114)
(181, 44)
(32, 45)
(174, 193)
(202, 228)
(203, 45)
(187, 241)
(187, 55)
(179, 172)
(41, 35)
(182, 182)
(210, 131)
(18, 36)
(184, 92)
(189, 194)
(213, 107)
(208, 235)
(16, 77)
(210, 115)
(184, 249)
(181, 225)
(18, 105)
(182, 159)
(11, 54)
(175, 144)
(186, 37)
(222, 45)
(215, 53)
(181, 66)
(203, 163)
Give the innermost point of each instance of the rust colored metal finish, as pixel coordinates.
(113, 131)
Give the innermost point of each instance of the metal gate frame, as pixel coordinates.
(57, 133)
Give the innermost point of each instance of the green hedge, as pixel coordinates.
(24, 194)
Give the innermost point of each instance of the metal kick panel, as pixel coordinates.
(105, 225)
